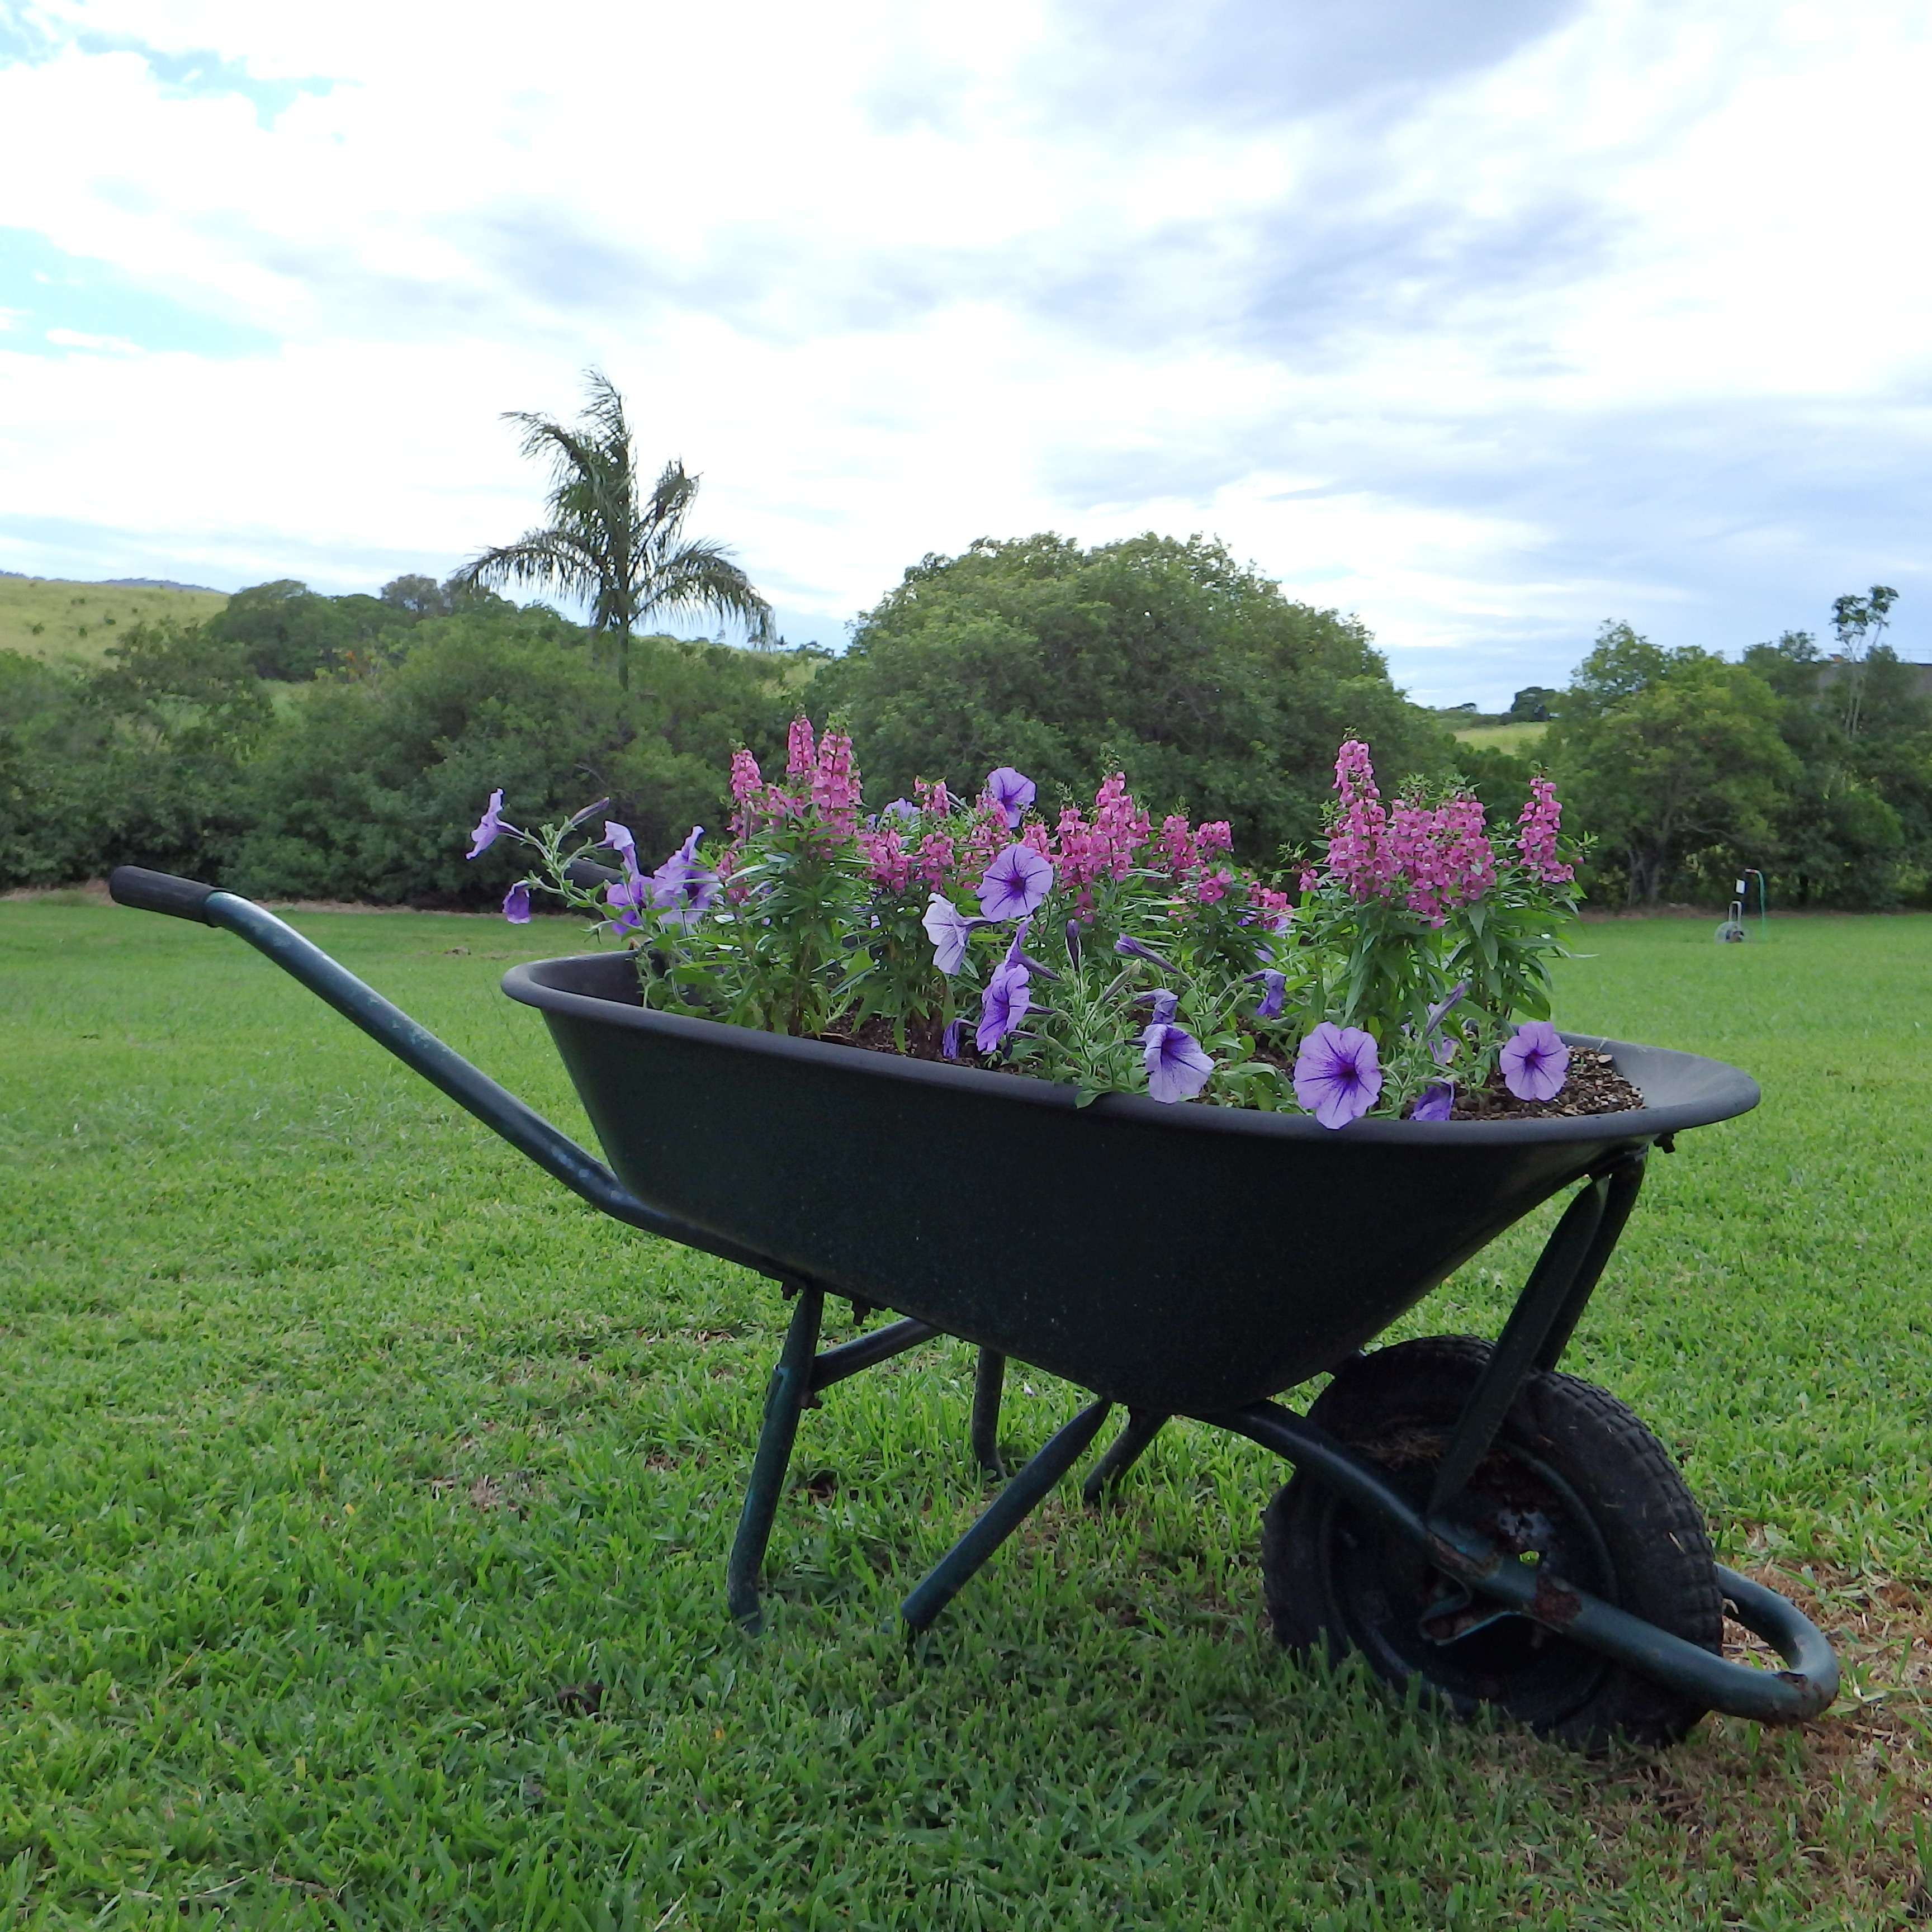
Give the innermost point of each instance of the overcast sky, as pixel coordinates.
(1487, 320)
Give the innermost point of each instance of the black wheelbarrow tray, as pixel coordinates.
(1460, 1512)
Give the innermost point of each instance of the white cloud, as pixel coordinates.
(1614, 319)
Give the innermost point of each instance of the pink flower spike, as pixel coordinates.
(801, 754)
(1535, 1062)
(747, 781)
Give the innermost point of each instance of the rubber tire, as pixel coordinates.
(1642, 1535)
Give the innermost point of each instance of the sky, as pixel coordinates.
(1485, 320)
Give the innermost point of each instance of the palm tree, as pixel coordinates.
(623, 554)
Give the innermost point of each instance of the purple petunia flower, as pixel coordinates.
(1163, 1003)
(618, 838)
(488, 827)
(627, 898)
(902, 808)
(949, 1043)
(1535, 1062)
(1435, 1101)
(1274, 990)
(516, 904)
(1016, 883)
(1338, 1074)
(682, 888)
(948, 927)
(1006, 999)
(1011, 792)
(1177, 1067)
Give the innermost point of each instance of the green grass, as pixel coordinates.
(338, 1443)
(45, 617)
(1514, 738)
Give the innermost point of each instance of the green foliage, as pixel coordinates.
(340, 1443)
(290, 632)
(1688, 768)
(1214, 693)
(140, 759)
(1664, 754)
(1500, 779)
(373, 778)
(1535, 704)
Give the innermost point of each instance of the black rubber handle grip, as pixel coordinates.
(160, 892)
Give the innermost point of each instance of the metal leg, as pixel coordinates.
(1143, 1425)
(1625, 1180)
(989, 1379)
(1565, 1261)
(1001, 1517)
(790, 1384)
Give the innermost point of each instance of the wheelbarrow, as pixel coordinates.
(1460, 1511)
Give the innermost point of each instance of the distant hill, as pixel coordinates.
(157, 584)
(52, 617)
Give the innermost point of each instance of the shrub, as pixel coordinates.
(365, 777)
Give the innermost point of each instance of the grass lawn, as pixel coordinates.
(1517, 738)
(45, 617)
(343, 1454)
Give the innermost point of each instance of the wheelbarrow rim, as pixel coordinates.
(1723, 1091)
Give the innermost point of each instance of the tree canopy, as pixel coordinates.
(1166, 659)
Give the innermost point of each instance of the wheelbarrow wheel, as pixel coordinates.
(1574, 1480)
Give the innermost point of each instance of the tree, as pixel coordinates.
(623, 553)
(1667, 754)
(1166, 659)
(1532, 705)
(1860, 622)
(1854, 826)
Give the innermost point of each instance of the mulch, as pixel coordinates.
(1594, 1086)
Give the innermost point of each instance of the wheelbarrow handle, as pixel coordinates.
(417, 1048)
(160, 892)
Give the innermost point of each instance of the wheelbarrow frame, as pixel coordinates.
(1534, 1336)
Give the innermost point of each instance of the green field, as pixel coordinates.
(1514, 738)
(342, 1451)
(45, 617)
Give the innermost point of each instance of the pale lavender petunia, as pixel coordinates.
(1177, 1067)
(903, 808)
(488, 827)
(1435, 1101)
(1535, 1062)
(1001, 1007)
(683, 887)
(1011, 792)
(948, 929)
(516, 904)
(627, 897)
(618, 839)
(1163, 1002)
(1337, 1074)
(1016, 883)
(1274, 990)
